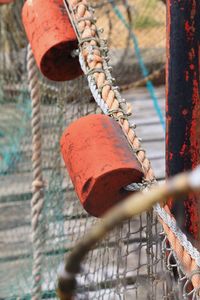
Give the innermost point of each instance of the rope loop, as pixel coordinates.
(100, 88)
(93, 21)
(89, 39)
(38, 184)
(112, 112)
(94, 70)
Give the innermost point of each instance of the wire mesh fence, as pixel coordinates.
(135, 31)
(129, 263)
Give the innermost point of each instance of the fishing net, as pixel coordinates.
(143, 24)
(129, 263)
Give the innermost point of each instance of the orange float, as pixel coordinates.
(6, 1)
(100, 162)
(52, 38)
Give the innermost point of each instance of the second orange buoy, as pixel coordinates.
(100, 162)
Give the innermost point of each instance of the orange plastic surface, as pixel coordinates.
(100, 162)
(6, 1)
(52, 38)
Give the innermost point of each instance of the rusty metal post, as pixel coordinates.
(183, 105)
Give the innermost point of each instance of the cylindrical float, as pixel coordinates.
(6, 1)
(100, 162)
(183, 106)
(52, 38)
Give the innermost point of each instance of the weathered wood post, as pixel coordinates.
(183, 105)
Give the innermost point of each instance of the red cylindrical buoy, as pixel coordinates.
(6, 1)
(52, 38)
(100, 162)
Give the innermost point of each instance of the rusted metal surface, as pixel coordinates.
(183, 105)
(52, 38)
(100, 162)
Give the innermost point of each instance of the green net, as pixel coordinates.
(147, 21)
(128, 264)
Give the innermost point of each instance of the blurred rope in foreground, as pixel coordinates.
(132, 206)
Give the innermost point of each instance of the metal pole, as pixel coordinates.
(183, 105)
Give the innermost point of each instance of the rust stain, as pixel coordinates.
(183, 105)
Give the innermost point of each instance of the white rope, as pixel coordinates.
(171, 223)
(94, 90)
(37, 201)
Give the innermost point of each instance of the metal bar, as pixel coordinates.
(183, 105)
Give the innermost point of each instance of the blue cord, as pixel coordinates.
(10, 154)
(143, 68)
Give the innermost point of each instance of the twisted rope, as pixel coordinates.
(37, 201)
(184, 281)
(93, 55)
(187, 255)
(93, 59)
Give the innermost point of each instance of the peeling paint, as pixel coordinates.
(183, 105)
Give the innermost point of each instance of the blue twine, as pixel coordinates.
(143, 68)
(10, 154)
